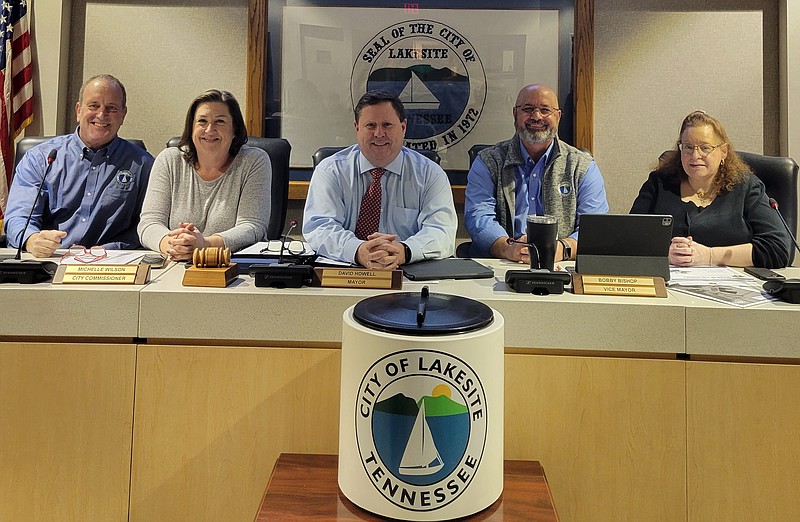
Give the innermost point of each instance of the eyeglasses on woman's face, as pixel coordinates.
(705, 149)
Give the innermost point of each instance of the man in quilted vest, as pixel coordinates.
(532, 173)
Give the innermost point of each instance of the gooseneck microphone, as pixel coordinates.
(29, 271)
(774, 204)
(280, 274)
(50, 159)
(784, 289)
(292, 224)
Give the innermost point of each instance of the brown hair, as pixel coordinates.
(379, 96)
(239, 129)
(731, 172)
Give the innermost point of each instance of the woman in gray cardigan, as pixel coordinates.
(210, 191)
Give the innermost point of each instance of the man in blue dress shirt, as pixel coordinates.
(415, 218)
(532, 173)
(93, 194)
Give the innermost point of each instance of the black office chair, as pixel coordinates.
(324, 152)
(28, 142)
(278, 150)
(780, 178)
(474, 150)
(462, 249)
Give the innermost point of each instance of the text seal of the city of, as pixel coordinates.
(434, 70)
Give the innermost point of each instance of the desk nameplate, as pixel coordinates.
(103, 274)
(639, 286)
(358, 278)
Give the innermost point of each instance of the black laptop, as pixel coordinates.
(624, 244)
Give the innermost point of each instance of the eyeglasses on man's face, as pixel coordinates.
(705, 149)
(530, 110)
(85, 255)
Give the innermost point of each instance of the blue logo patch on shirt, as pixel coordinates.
(124, 178)
(565, 189)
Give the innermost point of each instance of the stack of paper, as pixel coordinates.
(720, 284)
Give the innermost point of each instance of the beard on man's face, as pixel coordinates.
(536, 136)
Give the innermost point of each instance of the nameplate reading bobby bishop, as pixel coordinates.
(434, 70)
(421, 418)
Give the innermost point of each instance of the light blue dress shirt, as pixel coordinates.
(480, 202)
(416, 204)
(94, 196)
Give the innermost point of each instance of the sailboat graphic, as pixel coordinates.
(416, 95)
(420, 456)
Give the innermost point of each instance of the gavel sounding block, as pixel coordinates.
(212, 268)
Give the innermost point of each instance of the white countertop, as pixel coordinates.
(165, 309)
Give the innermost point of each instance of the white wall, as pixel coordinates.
(165, 55)
(790, 79)
(50, 33)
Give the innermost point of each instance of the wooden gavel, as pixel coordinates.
(211, 257)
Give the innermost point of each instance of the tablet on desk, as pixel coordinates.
(624, 244)
(450, 268)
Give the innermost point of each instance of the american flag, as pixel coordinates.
(16, 75)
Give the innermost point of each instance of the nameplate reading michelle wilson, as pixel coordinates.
(103, 274)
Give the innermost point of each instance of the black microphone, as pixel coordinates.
(785, 289)
(50, 159)
(292, 224)
(280, 274)
(29, 271)
(774, 204)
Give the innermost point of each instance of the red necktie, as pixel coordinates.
(369, 215)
